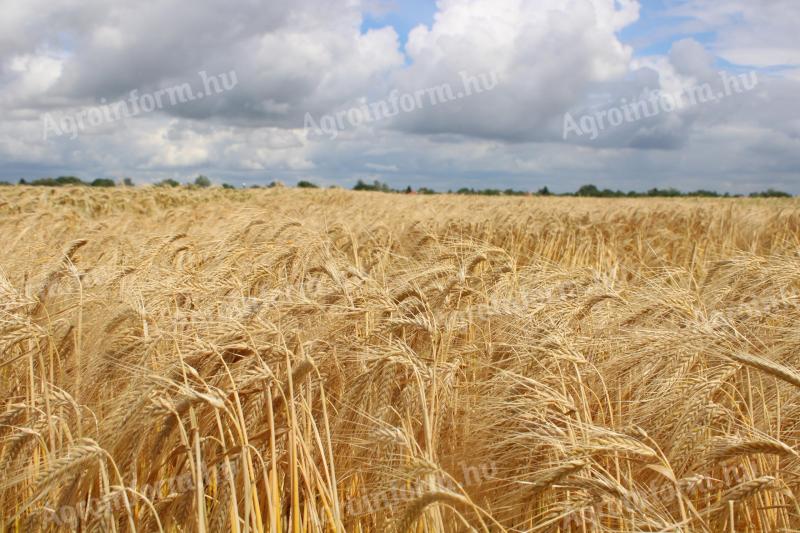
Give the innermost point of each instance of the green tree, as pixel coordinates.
(69, 180)
(58, 182)
(303, 184)
(374, 186)
(671, 192)
(770, 193)
(202, 182)
(103, 182)
(703, 193)
(588, 190)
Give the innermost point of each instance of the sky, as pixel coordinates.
(692, 94)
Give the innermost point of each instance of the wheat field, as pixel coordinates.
(326, 360)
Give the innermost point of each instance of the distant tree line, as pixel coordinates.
(62, 181)
(68, 180)
(592, 191)
(585, 190)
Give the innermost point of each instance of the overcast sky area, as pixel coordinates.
(280, 69)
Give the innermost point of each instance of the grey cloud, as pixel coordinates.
(692, 59)
(311, 56)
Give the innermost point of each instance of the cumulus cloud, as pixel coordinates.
(749, 33)
(545, 54)
(539, 60)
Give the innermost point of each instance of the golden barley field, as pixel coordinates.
(293, 360)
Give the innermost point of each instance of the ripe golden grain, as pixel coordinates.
(301, 361)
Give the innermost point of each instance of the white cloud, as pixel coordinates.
(546, 55)
(551, 56)
(760, 34)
